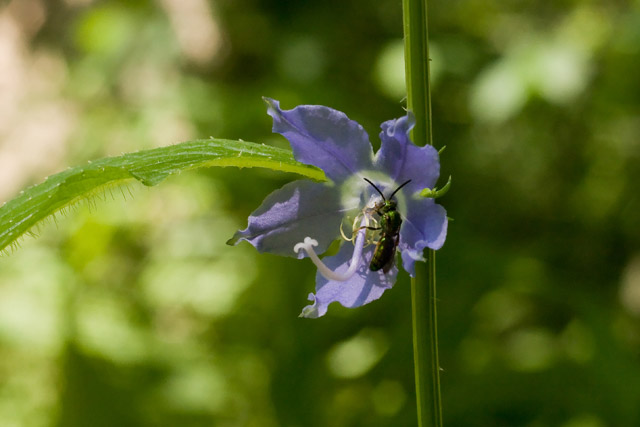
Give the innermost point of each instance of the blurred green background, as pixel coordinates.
(131, 311)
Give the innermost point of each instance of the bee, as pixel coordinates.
(390, 223)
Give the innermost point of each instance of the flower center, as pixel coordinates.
(364, 220)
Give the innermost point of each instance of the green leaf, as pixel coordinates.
(149, 167)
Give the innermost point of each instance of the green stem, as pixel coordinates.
(425, 343)
(423, 295)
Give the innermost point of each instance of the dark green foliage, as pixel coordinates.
(136, 313)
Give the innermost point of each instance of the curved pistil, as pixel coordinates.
(329, 274)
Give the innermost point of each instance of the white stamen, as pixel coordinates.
(308, 245)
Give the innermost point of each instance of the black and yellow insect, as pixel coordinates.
(390, 223)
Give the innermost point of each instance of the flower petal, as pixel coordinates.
(288, 215)
(423, 226)
(362, 288)
(403, 160)
(323, 137)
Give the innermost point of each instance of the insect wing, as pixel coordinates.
(392, 257)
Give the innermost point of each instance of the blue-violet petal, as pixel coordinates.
(362, 288)
(424, 226)
(288, 215)
(325, 138)
(403, 160)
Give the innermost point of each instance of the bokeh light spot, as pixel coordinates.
(356, 356)
(531, 350)
(302, 60)
(389, 70)
(388, 397)
(630, 288)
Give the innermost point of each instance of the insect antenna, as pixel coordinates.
(377, 189)
(397, 189)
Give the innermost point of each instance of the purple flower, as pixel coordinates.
(303, 214)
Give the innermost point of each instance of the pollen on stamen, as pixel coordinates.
(344, 236)
(363, 220)
(368, 223)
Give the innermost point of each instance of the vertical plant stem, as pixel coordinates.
(425, 343)
(423, 285)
